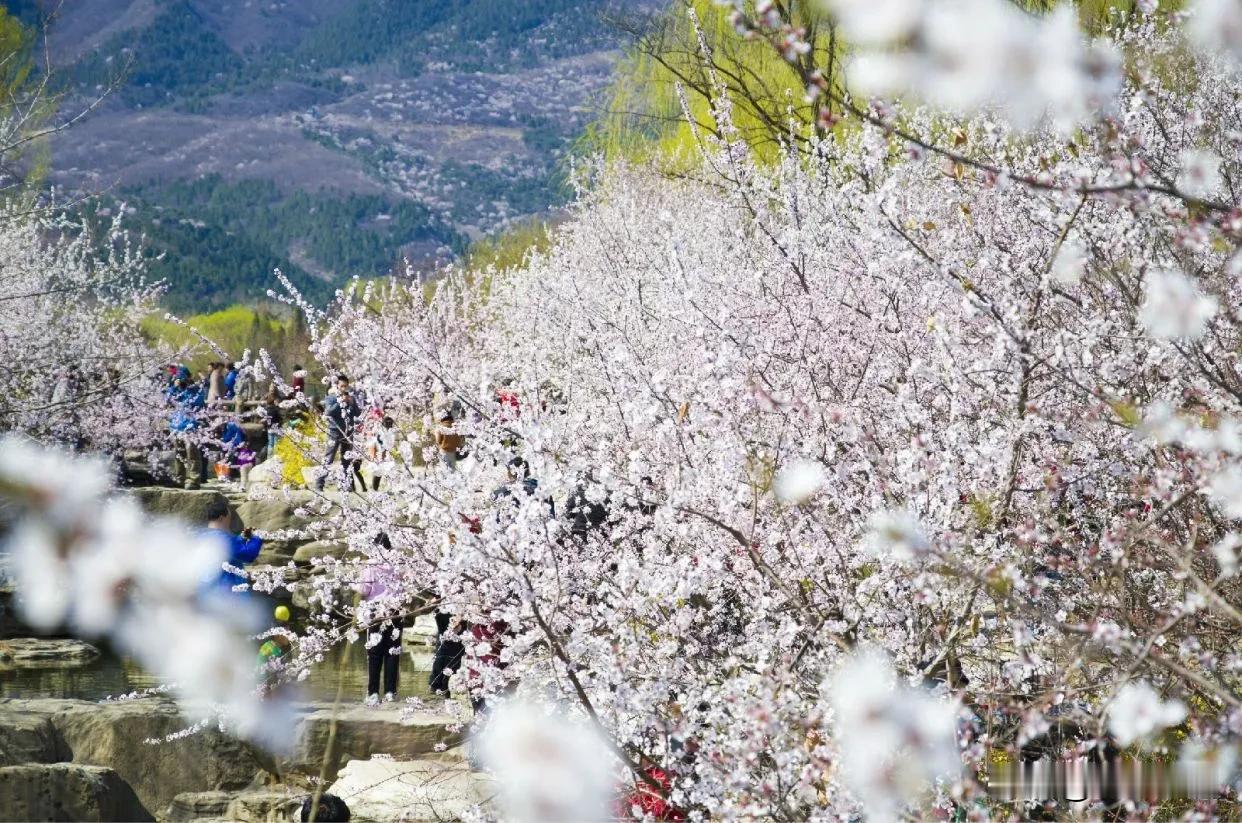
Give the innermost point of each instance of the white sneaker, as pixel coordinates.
(389, 697)
(372, 700)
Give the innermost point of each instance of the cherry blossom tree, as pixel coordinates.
(822, 485)
(826, 483)
(77, 369)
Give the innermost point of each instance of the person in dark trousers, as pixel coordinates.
(341, 415)
(384, 639)
(243, 548)
(448, 655)
(271, 416)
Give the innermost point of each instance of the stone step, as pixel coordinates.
(362, 732)
(383, 789)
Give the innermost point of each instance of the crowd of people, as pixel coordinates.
(205, 420)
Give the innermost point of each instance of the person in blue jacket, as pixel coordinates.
(187, 401)
(230, 381)
(243, 548)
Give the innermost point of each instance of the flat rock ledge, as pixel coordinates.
(79, 760)
(45, 653)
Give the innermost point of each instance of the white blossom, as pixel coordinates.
(1200, 173)
(548, 767)
(1137, 712)
(799, 481)
(1174, 307)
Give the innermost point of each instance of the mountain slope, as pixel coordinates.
(434, 122)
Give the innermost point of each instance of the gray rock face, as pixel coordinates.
(321, 548)
(199, 805)
(266, 805)
(45, 653)
(189, 506)
(30, 738)
(113, 735)
(67, 791)
(362, 732)
(278, 511)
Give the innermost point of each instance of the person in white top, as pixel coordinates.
(382, 449)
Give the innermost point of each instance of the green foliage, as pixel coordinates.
(177, 54)
(234, 330)
(24, 106)
(470, 35)
(644, 119)
(348, 234)
(216, 243)
(475, 184)
(510, 249)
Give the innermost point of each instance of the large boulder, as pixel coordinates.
(381, 789)
(277, 804)
(279, 511)
(189, 506)
(30, 738)
(67, 791)
(361, 732)
(337, 549)
(45, 653)
(115, 735)
(199, 805)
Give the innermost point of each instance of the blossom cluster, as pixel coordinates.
(731, 429)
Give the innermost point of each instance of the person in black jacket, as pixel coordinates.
(341, 414)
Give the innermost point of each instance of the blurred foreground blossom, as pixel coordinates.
(799, 482)
(894, 740)
(1217, 25)
(969, 54)
(895, 534)
(1174, 307)
(1138, 712)
(98, 566)
(549, 768)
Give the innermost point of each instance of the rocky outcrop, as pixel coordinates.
(29, 738)
(189, 506)
(188, 777)
(114, 735)
(45, 653)
(337, 549)
(67, 791)
(361, 732)
(199, 806)
(382, 789)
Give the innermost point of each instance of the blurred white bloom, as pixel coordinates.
(1217, 25)
(1200, 173)
(1174, 307)
(894, 740)
(1225, 551)
(65, 486)
(40, 573)
(1148, 6)
(1225, 490)
(1070, 263)
(799, 481)
(549, 768)
(100, 566)
(969, 54)
(876, 22)
(1202, 770)
(1137, 712)
(895, 534)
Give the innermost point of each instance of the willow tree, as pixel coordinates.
(687, 60)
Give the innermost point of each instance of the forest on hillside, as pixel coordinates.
(182, 78)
